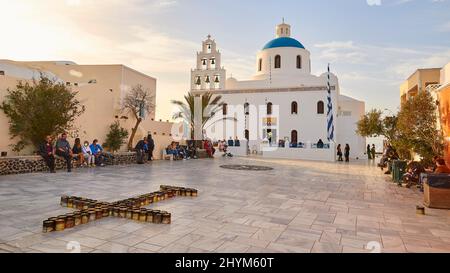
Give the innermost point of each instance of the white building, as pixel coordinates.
(283, 101)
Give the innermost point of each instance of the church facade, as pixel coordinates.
(281, 112)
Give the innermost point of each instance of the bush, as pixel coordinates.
(116, 137)
(38, 109)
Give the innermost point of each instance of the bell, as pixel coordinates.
(213, 61)
(204, 62)
(207, 79)
(198, 82)
(216, 80)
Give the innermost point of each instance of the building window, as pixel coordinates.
(294, 137)
(247, 108)
(269, 108)
(299, 62)
(260, 65)
(294, 108)
(2, 73)
(278, 61)
(225, 109)
(68, 83)
(320, 108)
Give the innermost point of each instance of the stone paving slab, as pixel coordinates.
(298, 207)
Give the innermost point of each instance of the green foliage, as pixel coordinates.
(116, 137)
(38, 109)
(417, 124)
(371, 124)
(413, 130)
(211, 104)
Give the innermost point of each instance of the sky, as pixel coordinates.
(372, 45)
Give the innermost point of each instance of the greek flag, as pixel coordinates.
(330, 120)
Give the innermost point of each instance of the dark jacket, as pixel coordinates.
(43, 149)
(140, 146)
(151, 144)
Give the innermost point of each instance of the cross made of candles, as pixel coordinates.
(89, 210)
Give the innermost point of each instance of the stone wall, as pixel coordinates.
(32, 164)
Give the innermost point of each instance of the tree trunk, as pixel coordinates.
(133, 133)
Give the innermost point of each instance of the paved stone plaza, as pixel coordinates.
(296, 207)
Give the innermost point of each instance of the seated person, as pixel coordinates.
(88, 156)
(281, 143)
(237, 142)
(77, 151)
(172, 150)
(412, 175)
(230, 142)
(48, 154)
(207, 145)
(441, 167)
(293, 145)
(63, 150)
(320, 144)
(191, 151)
(97, 152)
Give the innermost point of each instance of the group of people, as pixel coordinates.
(223, 146)
(180, 152)
(144, 149)
(88, 155)
(371, 152)
(346, 153)
(415, 169)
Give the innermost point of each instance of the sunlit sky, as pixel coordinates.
(372, 45)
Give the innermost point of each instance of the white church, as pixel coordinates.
(281, 112)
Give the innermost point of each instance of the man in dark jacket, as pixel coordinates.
(141, 148)
(63, 150)
(47, 153)
(151, 146)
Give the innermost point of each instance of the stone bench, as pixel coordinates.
(33, 164)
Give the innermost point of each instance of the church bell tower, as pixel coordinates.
(208, 75)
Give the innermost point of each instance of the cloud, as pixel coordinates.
(374, 2)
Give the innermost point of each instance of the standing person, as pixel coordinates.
(97, 152)
(237, 142)
(151, 146)
(88, 156)
(140, 148)
(230, 142)
(77, 151)
(373, 152)
(48, 154)
(347, 153)
(369, 152)
(63, 150)
(339, 153)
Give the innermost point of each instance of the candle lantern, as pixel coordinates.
(135, 214)
(188, 192)
(77, 218)
(123, 212)
(157, 217)
(194, 192)
(143, 215)
(98, 213)
(183, 191)
(70, 202)
(150, 216)
(84, 218)
(129, 213)
(116, 211)
(70, 222)
(166, 217)
(105, 212)
(48, 226)
(60, 224)
(92, 215)
(64, 199)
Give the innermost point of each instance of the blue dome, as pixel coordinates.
(283, 42)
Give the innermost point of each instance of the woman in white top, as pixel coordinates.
(90, 158)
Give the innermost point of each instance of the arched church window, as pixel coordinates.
(260, 65)
(299, 62)
(294, 108)
(269, 108)
(207, 79)
(208, 48)
(247, 108)
(225, 109)
(203, 61)
(278, 61)
(320, 107)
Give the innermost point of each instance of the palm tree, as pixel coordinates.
(211, 104)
